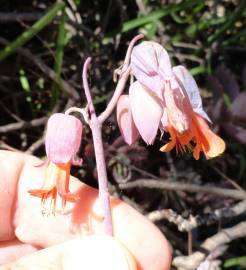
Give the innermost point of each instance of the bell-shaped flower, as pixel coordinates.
(62, 141)
(186, 119)
(175, 94)
(139, 113)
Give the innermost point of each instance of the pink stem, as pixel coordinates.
(96, 128)
(122, 81)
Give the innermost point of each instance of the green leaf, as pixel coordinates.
(235, 261)
(32, 31)
(24, 81)
(198, 70)
(229, 22)
(155, 15)
(59, 53)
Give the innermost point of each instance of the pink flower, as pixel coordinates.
(168, 99)
(63, 137)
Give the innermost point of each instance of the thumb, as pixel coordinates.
(98, 252)
(87, 253)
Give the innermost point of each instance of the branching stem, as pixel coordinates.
(124, 74)
(96, 128)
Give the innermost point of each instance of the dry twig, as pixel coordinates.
(210, 244)
(23, 124)
(36, 145)
(66, 87)
(196, 221)
(6, 17)
(178, 186)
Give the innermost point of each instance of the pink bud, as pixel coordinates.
(125, 121)
(151, 66)
(63, 137)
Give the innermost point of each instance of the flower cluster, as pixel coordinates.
(62, 141)
(168, 99)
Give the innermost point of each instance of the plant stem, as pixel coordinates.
(122, 81)
(96, 128)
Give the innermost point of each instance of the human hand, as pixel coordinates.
(74, 240)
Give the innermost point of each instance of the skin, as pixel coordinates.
(74, 239)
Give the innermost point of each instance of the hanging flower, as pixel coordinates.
(186, 119)
(168, 99)
(62, 141)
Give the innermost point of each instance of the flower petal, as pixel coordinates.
(63, 137)
(179, 112)
(211, 144)
(62, 184)
(164, 120)
(125, 121)
(171, 144)
(151, 65)
(146, 111)
(189, 84)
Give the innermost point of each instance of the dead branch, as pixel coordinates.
(210, 244)
(66, 87)
(36, 145)
(196, 221)
(6, 17)
(179, 186)
(4, 146)
(23, 124)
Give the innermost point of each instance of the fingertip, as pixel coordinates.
(144, 240)
(97, 252)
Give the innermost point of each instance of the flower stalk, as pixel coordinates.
(96, 128)
(95, 124)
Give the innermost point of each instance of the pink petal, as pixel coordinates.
(63, 137)
(189, 84)
(146, 111)
(151, 65)
(164, 120)
(125, 121)
(179, 111)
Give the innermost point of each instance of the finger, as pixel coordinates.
(88, 253)
(140, 236)
(10, 168)
(14, 249)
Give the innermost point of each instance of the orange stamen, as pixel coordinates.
(204, 138)
(56, 182)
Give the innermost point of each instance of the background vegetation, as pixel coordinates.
(43, 45)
